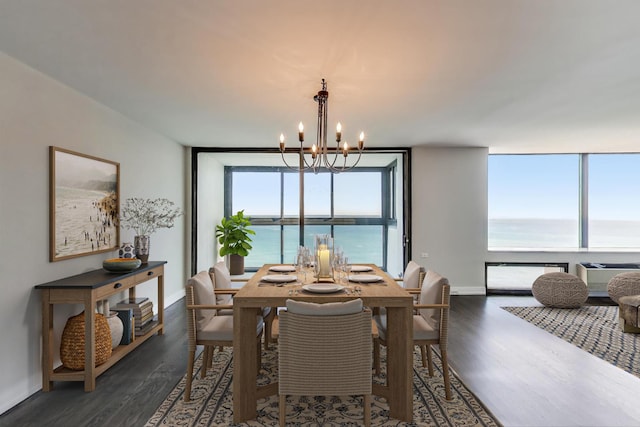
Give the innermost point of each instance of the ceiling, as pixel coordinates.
(511, 75)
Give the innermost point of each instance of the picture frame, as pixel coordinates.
(84, 204)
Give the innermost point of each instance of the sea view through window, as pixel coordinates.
(563, 201)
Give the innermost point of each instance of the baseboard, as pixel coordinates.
(468, 290)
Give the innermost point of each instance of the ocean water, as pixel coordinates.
(561, 233)
(84, 221)
(361, 244)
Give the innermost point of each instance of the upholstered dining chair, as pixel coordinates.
(430, 324)
(324, 350)
(206, 327)
(412, 276)
(222, 283)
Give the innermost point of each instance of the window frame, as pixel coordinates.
(404, 158)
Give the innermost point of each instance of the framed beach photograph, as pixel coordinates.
(84, 204)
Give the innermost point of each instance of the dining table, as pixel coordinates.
(370, 283)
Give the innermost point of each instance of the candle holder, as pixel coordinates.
(323, 257)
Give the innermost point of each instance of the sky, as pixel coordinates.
(547, 186)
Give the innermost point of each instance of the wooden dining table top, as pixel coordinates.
(384, 293)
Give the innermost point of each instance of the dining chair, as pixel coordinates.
(324, 350)
(430, 324)
(206, 327)
(412, 276)
(222, 283)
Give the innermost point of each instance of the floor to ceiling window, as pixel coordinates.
(563, 201)
(363, 209)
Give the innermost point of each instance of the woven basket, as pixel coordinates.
(72, 345)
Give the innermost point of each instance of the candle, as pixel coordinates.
(361, 141)
(345, 149)
(281, 142)
(338, 132)
(323, 261)
(301, 132)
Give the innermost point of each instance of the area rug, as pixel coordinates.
(591, 328)
(211, 401)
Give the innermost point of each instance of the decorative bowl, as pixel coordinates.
(118, 265)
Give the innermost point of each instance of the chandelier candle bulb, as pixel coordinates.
(345, 149)
(281, 142)
(338, 132)
(301, 132)
(361, 141)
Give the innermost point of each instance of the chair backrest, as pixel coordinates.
(432, 293)
(411, 276)
(325, 353)
(221, 278)
(203, 294)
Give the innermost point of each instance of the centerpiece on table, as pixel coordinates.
(145, 216)
(233, 234)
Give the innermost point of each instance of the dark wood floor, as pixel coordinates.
(524, 375)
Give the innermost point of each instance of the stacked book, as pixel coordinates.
(142, 311)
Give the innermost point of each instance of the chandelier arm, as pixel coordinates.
(321, 155)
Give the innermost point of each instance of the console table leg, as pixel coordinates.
(47, 341)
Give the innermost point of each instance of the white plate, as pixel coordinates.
(365, 278)
(360, 268)
(282, 268)
(278, 278)
(323, 288)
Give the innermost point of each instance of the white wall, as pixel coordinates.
(210, 208)
(449, 214)
(35, 113)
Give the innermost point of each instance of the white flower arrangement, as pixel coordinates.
(145, 216)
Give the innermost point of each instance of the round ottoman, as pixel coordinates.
(562, 290)
(624, 284)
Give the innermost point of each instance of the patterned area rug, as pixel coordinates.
(591, 328)
(211, 401)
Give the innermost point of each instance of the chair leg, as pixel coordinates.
(423, 353)
(187, 388)
(283, 410)
(259, 355)
(367, 409)
(268, 334)
(445, 373)
(207, 360)
(376, 355)
(429, 359)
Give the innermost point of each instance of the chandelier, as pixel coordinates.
(321, 156)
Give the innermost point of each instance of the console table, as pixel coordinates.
(88, 288)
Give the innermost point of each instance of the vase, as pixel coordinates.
(116, 327)
(141, 244)
(127, 250)
(236, 264)
(324, 257)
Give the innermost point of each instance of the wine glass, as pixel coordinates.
(299, 265)
(346, 267)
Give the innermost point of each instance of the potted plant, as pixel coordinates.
(233, 234)
(145, 216)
